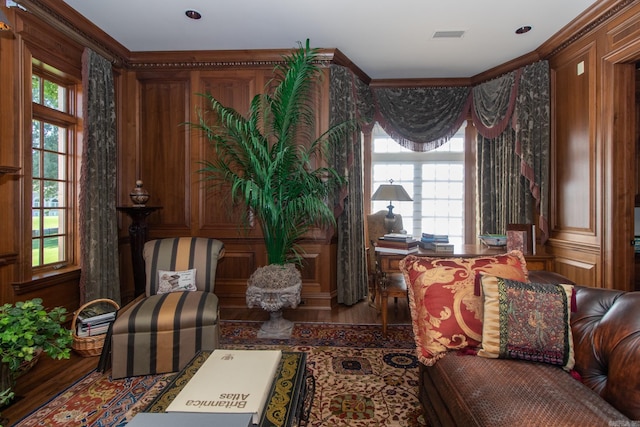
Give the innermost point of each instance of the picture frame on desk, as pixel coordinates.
(521, 237)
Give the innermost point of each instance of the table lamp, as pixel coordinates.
(391, 192)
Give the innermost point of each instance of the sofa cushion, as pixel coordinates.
(445, 311)
(477, 391)
(529, 321)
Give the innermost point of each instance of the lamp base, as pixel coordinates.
(389, 223)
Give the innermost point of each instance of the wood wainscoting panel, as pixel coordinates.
(241, 260)
(234, 269)
(163, 149)
(216, 212)
(575, 149)
(580, 264)
(59, 289)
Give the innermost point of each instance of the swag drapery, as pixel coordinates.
(98, 226)
(512, 117)
(511, 114)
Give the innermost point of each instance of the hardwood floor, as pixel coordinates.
(50, 377)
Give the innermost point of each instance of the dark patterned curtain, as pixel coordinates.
(351, 257)
(503, 195)
(512, 116)
(421, 119)
(98, 226)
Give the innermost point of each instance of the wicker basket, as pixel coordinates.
(89, 346)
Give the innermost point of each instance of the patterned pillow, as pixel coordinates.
(176, 281)
(529, 321)
(445, 312)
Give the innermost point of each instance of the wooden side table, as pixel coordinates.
(138, 234)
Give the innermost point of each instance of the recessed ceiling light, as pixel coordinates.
(193, 14)
(523, 30)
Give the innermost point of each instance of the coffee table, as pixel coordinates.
(289, 400)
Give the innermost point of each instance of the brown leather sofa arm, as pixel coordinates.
(606, 336)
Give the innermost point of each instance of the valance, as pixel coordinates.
(421, 119)
(493, 104)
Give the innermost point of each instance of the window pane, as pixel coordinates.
(35, 193)
(50, 221)
(398, 172)
(54, 194)
(36, 259)
(35, 159)
(36, 225)
(52, 250)
(35, 134)
(53, 138)
(54, 165)
(35, 89)
(54, 96)
(388, 145)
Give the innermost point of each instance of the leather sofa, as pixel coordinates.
(461, 389)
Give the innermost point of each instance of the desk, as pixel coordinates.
(388, 265)
(288, 403)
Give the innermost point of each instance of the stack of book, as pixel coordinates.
(436, 243)
(397, 243)
(94, 321)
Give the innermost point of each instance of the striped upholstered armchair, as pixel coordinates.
(178, 315)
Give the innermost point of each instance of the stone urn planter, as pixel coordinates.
(273, 288)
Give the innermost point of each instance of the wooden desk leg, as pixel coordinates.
(384, 299)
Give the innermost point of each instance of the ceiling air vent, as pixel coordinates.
(449, 34)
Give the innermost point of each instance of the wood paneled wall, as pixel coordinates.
(594, 150)
(167, 156)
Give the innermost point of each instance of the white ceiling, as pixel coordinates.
(386, 39)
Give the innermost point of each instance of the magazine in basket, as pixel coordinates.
(230, 381)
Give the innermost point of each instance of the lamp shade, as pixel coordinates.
(392, 193)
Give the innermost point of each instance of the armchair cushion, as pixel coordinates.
(163, 332)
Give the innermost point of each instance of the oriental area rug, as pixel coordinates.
(361, 379)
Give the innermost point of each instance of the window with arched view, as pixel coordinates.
(434, 180)
(52, 128)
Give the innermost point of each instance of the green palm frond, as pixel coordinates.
(266, 157)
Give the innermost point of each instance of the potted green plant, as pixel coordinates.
(273, 163)
(27, 329)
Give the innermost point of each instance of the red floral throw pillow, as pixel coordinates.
(445, 311)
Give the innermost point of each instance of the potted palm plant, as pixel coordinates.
(273, 163)
(27, 330)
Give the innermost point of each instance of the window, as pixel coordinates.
(53, 128)
(434, 180)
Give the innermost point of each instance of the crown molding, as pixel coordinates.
(60, 16)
